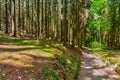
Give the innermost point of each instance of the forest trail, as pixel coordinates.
(22, 59)
(93, 68)
(24, 62)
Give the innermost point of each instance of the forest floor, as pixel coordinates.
(23, 62)
(31, 60)
(22, 59)
(94, 68)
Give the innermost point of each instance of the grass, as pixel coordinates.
(9, 57)
(52, 74)
(109, 56)
(28, 66)
(105, 54)
(1, 76)
(69, 64)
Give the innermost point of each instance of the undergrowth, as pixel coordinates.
(66, 68)
(1, 76)
(107, 56)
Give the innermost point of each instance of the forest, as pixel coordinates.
(59, 40)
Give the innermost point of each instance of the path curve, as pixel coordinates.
(94, 69)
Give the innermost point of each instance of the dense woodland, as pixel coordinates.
(78, 23)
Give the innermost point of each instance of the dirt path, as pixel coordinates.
(22, 63)
(94, 69)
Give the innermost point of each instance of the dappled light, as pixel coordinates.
(29, 59)
(95, 69)
(59, 40)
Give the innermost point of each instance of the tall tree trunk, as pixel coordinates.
(65, 23)
(6, 26)
(113, 26)
(19, 20)
(14, 18)
(38, 20)
(27, 17)
(23, 17)
(42, 18)
(32, 21)
(0, 15)
(46, 19)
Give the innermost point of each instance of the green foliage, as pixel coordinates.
(96, 46)
(104, 22)
(1, 76)
(62, 60)
(52, 74)
(108, 57)
(112, 60)
(77, 71)
(71, 64)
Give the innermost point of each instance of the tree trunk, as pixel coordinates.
(6, 26)
(13, 18)
(0, 15)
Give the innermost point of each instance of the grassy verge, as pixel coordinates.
(111, 57)
(107, 55)
(1, 75)
(68, 68)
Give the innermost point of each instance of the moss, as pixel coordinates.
(52, 74)
(71, 64)
(1, 76)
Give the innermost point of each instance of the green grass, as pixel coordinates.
(1, 76)
(68, 67)
(9, 57)
(107, 56)
(52, 74)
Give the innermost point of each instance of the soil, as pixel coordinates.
(17, 63)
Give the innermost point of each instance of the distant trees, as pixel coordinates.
(63, 20)
(46, 19)
(104, 27)
(114, 36)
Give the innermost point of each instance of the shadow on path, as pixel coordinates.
(94, 69)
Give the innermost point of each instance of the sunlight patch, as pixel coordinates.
(28, 65)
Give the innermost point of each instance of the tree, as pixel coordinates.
(38, 20)
(0, 15)
(19, 17)
(6, 10)
(13, 18)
